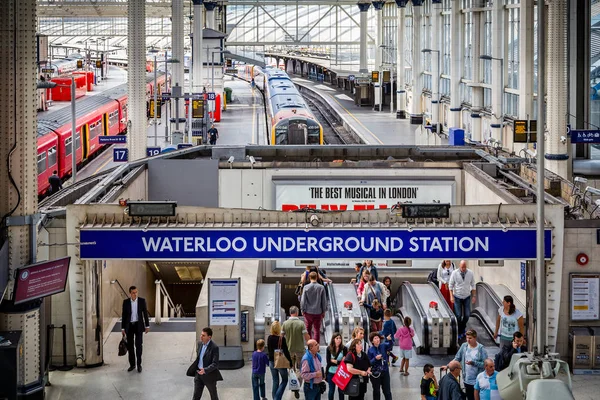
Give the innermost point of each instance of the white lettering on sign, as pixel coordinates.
(311, 244)
(358, 196)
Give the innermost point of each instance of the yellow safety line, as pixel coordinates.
(102, 166)
(356, 119)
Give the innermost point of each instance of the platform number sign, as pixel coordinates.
(211, 96)
(152, 151)
(120, 154)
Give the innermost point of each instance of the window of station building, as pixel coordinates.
(52, 157)
(41, 163)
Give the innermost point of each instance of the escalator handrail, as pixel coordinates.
(453, 321)
(491, 291)
(333, 307)
(424, 320)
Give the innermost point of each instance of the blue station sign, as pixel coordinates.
(112, 139)
(279, 244)
(585, 136)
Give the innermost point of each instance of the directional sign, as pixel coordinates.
(152, 151)
(211, 95)
(198, 108)
(351, 78)
(585, 136)
(112, 139)
(120, 154)
(166, 96)
(184, 146)
(47, 70)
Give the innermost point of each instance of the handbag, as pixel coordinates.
(123, 347)
(298, 291)
(280, 360)
(353, 387)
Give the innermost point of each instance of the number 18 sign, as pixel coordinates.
(120, 154)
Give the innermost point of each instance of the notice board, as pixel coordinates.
(224, 301)
(585, 297)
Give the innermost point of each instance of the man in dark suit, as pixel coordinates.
(134, 322)
(207, 366)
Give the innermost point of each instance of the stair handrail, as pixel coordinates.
(168, 306)
(123, 291)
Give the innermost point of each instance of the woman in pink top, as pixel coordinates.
(404, 336)
(364, 281)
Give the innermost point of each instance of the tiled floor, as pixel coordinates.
(167, 356)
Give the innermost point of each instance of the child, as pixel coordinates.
(259, 367)
(429, 385)
(375, 315)
(405, 335)
(388, 331)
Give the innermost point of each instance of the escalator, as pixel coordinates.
(436, 329)
(340, 318)
(267, 309)
(488, 301)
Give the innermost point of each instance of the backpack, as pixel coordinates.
(432, 277)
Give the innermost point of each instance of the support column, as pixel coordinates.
(378, 5)
(400, 73)
(177, 44)
(526, 50)
(497, 65)
(557, 81)
(477, 105)
(436, 61)
(364, 65)
(416, 112)
(18, 145)
(579, 72)
(210, 14)
(197, 47)
(137, 140)
(456, 71)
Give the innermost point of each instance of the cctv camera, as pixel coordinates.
(593, 190)
(252, 160)
(314, 220)
(563, 139)
(580, 179)
(230, 160)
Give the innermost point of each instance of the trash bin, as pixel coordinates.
(228, 94)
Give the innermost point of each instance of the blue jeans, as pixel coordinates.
(258, 382)
(312, 394)
(278, 388)
(462, 309)
(332, 387)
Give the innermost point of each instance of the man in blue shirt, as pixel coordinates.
(486, 387)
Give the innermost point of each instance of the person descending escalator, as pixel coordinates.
(387, 282)
(375, 290)
(375, 315)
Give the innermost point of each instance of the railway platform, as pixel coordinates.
(374, 127)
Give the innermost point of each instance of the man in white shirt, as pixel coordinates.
(462, 293)
(134, 322)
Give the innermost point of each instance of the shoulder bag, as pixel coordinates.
(279, 356)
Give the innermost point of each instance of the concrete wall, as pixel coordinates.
(254, 188)
(128, 273)
(580, 237)
(189, 182)
(136, 190)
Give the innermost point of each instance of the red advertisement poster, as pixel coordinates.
(41, 280)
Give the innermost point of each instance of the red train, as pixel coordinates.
(104, 114)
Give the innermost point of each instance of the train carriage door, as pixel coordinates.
(85, 137)
(297, 132)
(105, 131)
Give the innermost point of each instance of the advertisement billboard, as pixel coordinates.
(356, 196)
(41, 280)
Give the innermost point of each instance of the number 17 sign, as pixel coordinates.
(120, 154)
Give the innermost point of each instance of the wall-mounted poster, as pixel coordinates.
(585, 297)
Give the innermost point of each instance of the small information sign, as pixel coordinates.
(224, 301)
(585, 136)
(120, 154)
(184, 146)
(152, 151)
(112, 139)
(211, 95)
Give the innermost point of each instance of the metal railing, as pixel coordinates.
(123, 291)
(165, 307)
